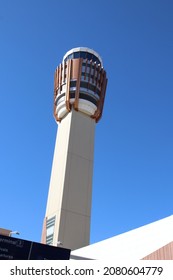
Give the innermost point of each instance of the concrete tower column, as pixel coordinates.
(79, 92)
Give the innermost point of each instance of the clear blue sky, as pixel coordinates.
(133, 161)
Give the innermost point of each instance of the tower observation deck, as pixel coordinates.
(80, 81)
(79, 92)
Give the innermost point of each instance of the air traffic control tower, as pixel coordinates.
(79, 93)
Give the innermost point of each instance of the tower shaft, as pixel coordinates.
(69, 200)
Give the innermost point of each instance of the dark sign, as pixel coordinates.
(19, 249)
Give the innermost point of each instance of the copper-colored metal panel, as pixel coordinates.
(55, 80)
(75, 69)
(98, 113)
(63, 71)
(76, 102)
(54, 112)
(67, 94)
(55, 115)
(60, 75)
(164, 253)
(56, 86)
(43, 237)
(55, 89)
(102, 98)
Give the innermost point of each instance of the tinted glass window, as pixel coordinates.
(76, 54)
(83, 84)
(70, 56)
(89, 56)
(72, 94)
(83, 55)
(94, 58)
(72, 83)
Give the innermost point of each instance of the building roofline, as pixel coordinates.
(83, 49)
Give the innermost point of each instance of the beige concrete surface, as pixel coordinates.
(70, 188)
